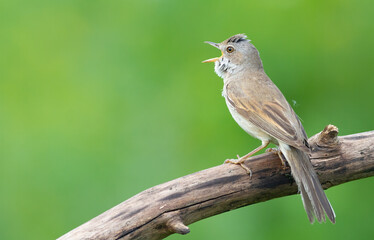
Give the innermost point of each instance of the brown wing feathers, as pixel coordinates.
(269, 116)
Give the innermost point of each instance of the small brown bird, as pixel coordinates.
(260, 108)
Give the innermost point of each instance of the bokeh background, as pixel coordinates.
(100, 100)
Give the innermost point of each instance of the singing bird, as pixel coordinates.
(260, 109)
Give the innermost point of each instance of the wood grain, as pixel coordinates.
(169, 207)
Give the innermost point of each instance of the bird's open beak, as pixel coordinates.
(212, 59)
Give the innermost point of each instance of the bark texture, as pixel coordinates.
(169, 207)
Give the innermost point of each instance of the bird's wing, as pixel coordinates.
(270, 112)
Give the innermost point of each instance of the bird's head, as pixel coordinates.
(238, 54)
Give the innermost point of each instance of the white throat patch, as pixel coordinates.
(223, 66)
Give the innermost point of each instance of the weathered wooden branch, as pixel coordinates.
(169, 207)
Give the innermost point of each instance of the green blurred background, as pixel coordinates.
(100, 100)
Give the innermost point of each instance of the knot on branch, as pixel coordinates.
(328, 138)
(329, 135)
(176, 225)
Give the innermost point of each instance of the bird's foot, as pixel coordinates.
(240, 161)
(280, 155)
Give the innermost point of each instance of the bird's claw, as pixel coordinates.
(240, 161)
(280, 155)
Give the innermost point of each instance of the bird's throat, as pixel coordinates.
(224, 66)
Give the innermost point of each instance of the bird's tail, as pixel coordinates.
(314, 198)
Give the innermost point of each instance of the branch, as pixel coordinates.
(169, 207)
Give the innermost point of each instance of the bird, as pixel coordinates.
(261, 110)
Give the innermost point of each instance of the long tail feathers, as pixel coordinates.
(314, 198)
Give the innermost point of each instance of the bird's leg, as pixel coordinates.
(280, 155)
(240, 160)
(263, 145)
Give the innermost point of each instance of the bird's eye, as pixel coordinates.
(229, 49)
